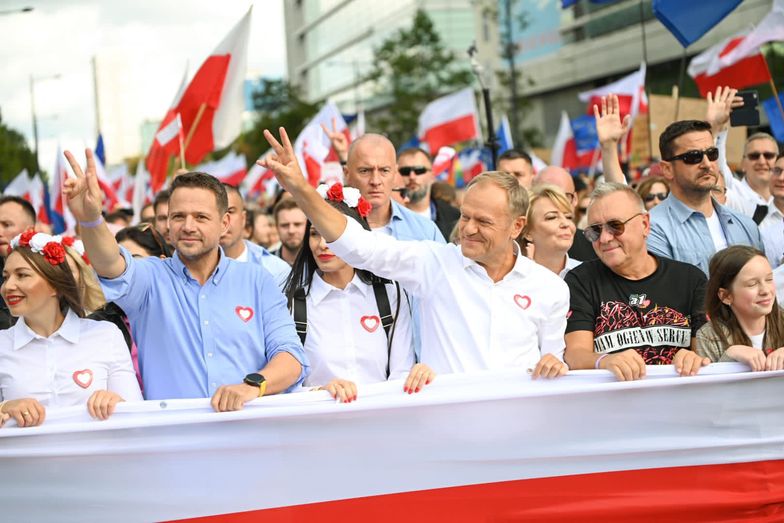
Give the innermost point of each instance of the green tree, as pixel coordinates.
(278, 103)
(15, 155)
(412, 68)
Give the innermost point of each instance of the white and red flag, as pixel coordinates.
(62, 219)
(737, 60)
(210, 106)
(313, 148)
(449, 120)
(19, 186)
(564, 152)
(630, 91)
(230, 169)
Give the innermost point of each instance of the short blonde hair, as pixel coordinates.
(546, 192)
(515, 193)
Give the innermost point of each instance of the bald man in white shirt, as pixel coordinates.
(484, 305)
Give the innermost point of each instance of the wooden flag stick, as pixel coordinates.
(182, 150)
(193, 128)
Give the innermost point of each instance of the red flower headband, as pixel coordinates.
(52, 248)
(348, 195)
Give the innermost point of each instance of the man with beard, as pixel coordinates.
(205, 326)
(415, 167)
(290, 223)
(689, 226)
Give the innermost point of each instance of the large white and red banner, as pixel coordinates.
(493, 446)
(449, 120)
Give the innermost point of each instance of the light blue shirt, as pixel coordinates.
(279, 269)
(408, 225)
(194, 338)
(682, 234)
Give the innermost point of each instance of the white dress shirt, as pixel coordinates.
(82, 356)
(740, 196)
(772, 232)
(346, 339)
(469, 322)
(571, 263)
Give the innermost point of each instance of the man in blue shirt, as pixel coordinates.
(205, 326)
(689, 226)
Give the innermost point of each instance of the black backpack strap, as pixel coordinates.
(300, 309)
(385, 313)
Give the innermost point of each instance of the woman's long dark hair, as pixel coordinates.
(305, 264)
(724, 268)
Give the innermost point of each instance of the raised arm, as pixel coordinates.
(610, 131)
(338, 140)
(85, 200)
(720, 104)
(328, 221)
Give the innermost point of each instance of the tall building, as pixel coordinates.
(565, 51)
(329, 43)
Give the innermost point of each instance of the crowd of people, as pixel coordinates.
(393, 275)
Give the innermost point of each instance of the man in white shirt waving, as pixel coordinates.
(484, 305)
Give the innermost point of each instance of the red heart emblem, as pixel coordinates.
(245, 313)
(370, 323)
(83, 378)
(568, 315)
(522, 301)
(646, 304)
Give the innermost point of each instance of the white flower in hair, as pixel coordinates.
(39, 241)
(351, 196)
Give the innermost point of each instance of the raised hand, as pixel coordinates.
(609, 127)
(283, 162)
(83, 194)
(720, 104)
(338, 139)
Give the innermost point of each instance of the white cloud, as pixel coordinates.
(142, 48)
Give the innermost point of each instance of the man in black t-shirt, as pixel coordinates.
(630, 308)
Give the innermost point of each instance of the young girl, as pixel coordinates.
(53, 357)
(746, 323)
(355, 327)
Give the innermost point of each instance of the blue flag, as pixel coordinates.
(689, 20)
(99, 152)
(504, 136)
(412, 143)
(584, 131)
(774, 117)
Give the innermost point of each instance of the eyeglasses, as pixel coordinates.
(756, 156)
(418, 170)
(694, 157)
(777, 171)
(614, 227)
(661, 196)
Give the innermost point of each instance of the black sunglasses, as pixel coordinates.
(418, 170)
(694, 157)
(756, 156)
(614, 227)
(661, 196)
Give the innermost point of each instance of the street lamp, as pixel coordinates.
(33, 80)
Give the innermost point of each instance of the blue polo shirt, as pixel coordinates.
(194, 338)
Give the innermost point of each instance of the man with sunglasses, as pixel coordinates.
(689, 225)
(750, 196)
(631, 308)
(772, 226)
(416, 169)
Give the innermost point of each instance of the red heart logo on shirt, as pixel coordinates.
(370, 323)
(245, 313)
(83, 378)
(522, 301)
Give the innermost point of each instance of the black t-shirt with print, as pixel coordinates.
(657, 315)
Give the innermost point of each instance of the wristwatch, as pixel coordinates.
(255, 379)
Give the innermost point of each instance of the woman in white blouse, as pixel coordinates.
(53, 356)
(355, 327)
(549, 229)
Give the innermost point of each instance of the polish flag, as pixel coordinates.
(230, 169)
(62, 219)
(564, 153)
(443, 162)
(210, 106)
(770, 29)
(449, 120)
(313, 148)
(711, 68)
(630, 91)
(19, 186)
(110, 198)
(258, 180)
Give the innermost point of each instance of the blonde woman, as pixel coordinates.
(550, 229)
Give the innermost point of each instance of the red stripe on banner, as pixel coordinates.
(745, 73)
(708, 493)
(450, 133)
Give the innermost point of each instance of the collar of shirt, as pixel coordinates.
(69, 331)
(520, 266)
(319, 289)
(754, 194)
(215, 277)
(243, 257)
(682, 213)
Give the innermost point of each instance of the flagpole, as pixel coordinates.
(645, 87)
(680, 84)
(182, 150)
(491, 142)
(773, 85)
(193, 128)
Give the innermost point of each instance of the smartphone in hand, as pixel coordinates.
(748, 114)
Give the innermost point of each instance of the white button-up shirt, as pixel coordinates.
(469, 322)
(740, 196)
(346, 339)
(82, 356)
(772, 232)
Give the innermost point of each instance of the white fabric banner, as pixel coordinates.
(175, 459)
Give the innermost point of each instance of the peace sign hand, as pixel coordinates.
(83, 194)
(283, 162)
(338, 140)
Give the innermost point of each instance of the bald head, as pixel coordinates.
(559, 177)
(370, 141)
(371, 167)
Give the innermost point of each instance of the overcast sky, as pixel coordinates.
(148, 41)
